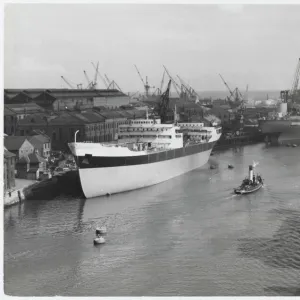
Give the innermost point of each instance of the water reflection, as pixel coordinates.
(280, 251)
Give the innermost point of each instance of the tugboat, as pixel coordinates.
(251, 184)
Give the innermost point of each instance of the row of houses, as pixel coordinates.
(25, 157)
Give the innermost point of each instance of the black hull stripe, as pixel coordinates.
(89, 161)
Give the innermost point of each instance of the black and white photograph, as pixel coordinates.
(151, 149)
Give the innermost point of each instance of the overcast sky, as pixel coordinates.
(255, 45)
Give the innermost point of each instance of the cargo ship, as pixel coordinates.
(284, 128)
(146, 152)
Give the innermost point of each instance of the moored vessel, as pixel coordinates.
(284, 126)
(147, 152)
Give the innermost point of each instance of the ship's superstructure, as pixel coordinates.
(146, 153)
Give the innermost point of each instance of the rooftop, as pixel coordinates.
(8, 154)
(23, 107)
(38, 140)
(8, 112)
(35, 158)
(62, 93)
(14, 143)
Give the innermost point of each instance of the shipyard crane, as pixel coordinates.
(102, 78)
(230, 91)
(245, 97)
(90, 83)
(113, 85)
(162, 81)
(67, 82)
(95, 77)
(175, 84)
(163, 105)
(192, 93)
(108, 80)
(295, 84)
(187, 89)
(146, 85)
(159, 89)
(235, 95)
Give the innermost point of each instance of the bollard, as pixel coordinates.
(19, 195)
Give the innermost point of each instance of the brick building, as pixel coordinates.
(60, 127)
(93, 125)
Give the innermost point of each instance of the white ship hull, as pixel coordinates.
(102, 181)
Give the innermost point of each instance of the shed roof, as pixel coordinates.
(62, 93)
(89, 116)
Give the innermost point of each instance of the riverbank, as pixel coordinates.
(17, 194)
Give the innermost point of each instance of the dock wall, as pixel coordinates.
(17, 195)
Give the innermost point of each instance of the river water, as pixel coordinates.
(189, 236)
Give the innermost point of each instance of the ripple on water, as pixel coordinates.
(186, 237)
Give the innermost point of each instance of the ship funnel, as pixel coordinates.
(251, 172)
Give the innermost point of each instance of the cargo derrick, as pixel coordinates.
(162, 107)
